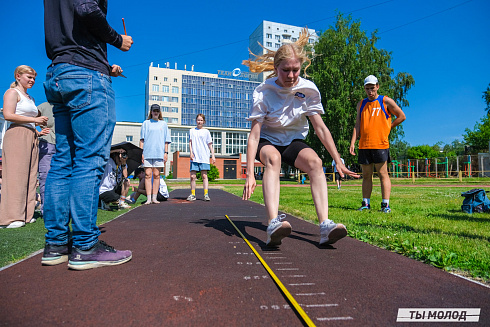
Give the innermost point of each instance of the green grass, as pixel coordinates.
(426, 223)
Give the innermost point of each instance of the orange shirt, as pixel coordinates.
(375, 124)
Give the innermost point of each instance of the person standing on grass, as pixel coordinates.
(373, 126)
(154, 139)
(47, 148)
(200, 146)
(79, 86)
(282, 106)
(338, 179)
(20, 151)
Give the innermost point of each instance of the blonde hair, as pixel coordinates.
(271, 59)
(22, 69)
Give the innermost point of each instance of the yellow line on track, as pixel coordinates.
(284, 290)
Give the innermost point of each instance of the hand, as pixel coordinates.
(127, 43)
(44, 131)
(41, 120)
(213, 160)
(116, 71)
(352, 149)
(344, 171)
(142, 159)
(165, 157)
(249, 187)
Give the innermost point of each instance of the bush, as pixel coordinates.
(213, 174)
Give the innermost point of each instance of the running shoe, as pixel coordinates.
(364, 206)
(100, 255)
(277, 230)
(331, 232)
(385, 207)
(206, 197)
(55, 254)
(124, 205)
(191, 198)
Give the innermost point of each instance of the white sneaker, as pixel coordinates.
(331, 232)
(124, 205)
(277, 230)
(16, 224)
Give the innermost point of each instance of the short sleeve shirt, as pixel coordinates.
(283, 110)
(155, 134)
(200, 139)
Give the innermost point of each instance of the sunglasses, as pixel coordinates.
(156, 110)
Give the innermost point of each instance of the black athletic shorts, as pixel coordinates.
(373, 156)
(112, 195)
(289, 153)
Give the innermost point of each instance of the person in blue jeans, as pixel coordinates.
(78, 85)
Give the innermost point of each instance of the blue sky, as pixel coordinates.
(445, 45)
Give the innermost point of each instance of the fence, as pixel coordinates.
(443, 167)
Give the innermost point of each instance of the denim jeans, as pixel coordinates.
(85, 116)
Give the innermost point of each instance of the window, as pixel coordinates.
(277, 45)
(165, 88)
(165, 119)
(164, 109)
(236, 142)
(216, 137)
(175, 80)
(285, 31)
(294, 39)
(180, 140)
(175, 109)
(203, 92)
(165, 98)
(278, 37)
(155, 78)
(175, 120)
(175, 99)
(175, 89)
(268, 44)
(268, 36)
(165, 79)
(129, 138)
(154, 87)
(154, 97)
(311, 41)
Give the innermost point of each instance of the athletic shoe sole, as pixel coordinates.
(54, 260)
(84, 265)
(276, 237)
(336, 234)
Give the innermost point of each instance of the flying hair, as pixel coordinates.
(271, 59)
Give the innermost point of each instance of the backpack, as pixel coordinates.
(475, 200)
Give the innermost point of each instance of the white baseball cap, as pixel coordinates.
(371, 79)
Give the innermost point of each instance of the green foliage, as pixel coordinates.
(486, 97)
(344, 56)
(478, 138)
(422, 152)
(213, 174)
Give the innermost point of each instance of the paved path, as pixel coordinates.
(191, 268)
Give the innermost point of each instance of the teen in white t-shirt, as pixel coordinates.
(201, 145)
(279, 126)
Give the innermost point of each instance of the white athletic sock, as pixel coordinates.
(386, 201)
(367, 200)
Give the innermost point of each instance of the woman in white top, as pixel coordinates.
(279, 114)
(20, 151)
(154, 140)
(200, 146)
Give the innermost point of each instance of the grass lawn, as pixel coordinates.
(426, 223)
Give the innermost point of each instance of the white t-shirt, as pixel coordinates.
(113, 176)
(283, 110)
(334, 164)
(200, 139)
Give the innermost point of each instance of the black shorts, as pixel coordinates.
(289, 153)
(337, 176)
(373, 156)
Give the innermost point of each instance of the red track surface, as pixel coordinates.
(191, 268)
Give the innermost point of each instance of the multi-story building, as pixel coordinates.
(272, 35)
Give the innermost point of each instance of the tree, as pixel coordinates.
(213, 173)
(344, 56)
(422, 152)
(478, 138)
(486, 97)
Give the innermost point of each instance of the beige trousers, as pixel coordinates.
(19, 176)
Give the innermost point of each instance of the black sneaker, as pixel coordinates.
(385, 207)
(100, 255)
(364, 206)
(55, 254)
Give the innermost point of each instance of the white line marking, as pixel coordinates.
(310, 294)
(334, 318)
(283, 263)
(302, 284)
(288, 269)
(276, 257)
(295, 276)
(321, 305)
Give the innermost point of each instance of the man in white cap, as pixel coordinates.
(373, 126)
